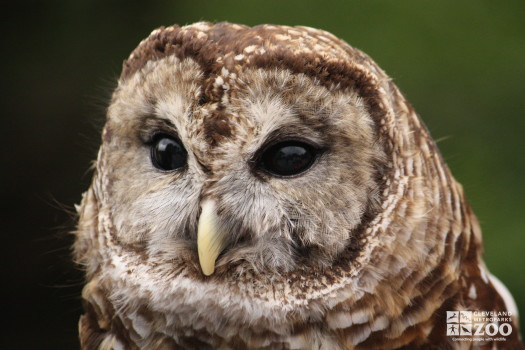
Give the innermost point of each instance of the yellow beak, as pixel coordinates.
(210, 241)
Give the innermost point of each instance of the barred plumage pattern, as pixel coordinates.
(411, 251)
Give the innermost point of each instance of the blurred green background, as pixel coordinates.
(461, 64)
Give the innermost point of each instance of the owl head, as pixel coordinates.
(269, 176)
(229, 149)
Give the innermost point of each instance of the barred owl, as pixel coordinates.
(269, 187)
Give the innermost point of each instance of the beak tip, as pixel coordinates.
(207, 273)
(207, 269)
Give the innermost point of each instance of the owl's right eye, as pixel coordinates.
(167, 153)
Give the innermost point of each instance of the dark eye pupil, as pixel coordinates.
(168, 153)
(288, 158)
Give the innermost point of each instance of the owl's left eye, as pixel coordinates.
(288, 158)
(168, 153)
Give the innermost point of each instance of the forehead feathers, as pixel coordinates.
(226, 48)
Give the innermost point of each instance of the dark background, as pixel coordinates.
(461, 64)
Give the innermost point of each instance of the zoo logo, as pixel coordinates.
(467, 323)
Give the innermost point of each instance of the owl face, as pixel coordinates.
(250, 168)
